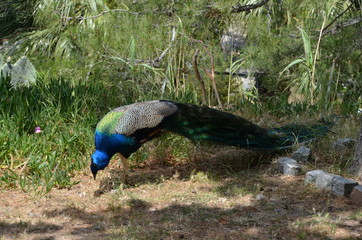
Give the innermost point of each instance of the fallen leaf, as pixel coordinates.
(223, 221)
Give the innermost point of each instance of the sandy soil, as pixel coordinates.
(177, 202)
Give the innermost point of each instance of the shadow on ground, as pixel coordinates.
(164, 201)
(218, 164)
(15, 229)
(139, 220)
(285, 210)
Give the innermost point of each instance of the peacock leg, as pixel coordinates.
(125, 167)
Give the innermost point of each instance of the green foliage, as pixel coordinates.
(82, 40)
(320, 74)
(305, 83)
(15, 16)
(90, 60)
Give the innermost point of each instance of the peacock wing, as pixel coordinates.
(143, 115)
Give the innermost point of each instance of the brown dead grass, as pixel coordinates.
(182, 201)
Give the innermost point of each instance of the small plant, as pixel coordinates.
(305, 84)
(38, 158)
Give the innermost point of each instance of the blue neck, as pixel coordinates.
(113, 143)
(109, 144)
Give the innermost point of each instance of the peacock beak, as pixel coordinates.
(94, 169)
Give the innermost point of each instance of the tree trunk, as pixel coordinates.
(356, 167)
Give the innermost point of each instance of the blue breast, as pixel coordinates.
(114, 143)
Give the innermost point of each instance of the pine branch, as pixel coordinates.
(335, 19)
(101, 14)
(246, 8)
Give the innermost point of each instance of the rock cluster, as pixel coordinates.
(337, 184)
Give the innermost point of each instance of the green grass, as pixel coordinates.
(67, 115)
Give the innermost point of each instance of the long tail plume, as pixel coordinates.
(202, 123)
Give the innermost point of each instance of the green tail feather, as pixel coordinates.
(202, 123)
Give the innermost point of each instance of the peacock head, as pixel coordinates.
(100, 160)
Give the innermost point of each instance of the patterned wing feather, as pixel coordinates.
(142, 115)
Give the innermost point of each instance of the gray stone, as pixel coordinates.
(260, 197)
(289, 166)
(311, 176)
(344, 143)
(356, 195)
(233, 40)
(325, 180)
(342, 186)
(302, 155)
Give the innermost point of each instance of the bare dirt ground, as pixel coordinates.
(176, 201)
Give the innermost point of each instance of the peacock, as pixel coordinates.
(124, 129)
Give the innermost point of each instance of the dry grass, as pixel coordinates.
(185, 201)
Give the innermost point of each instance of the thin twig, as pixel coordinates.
(101, 14)
(158, 59)
(315, 59)
(153, 62)
(335, 19)
(198, 76)
(212, 74)
(347, 23)
(246, 8)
